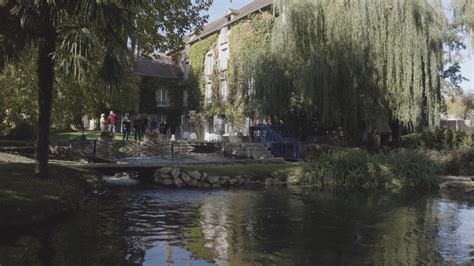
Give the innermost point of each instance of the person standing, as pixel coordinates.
(144, 125)
(126, 127)
(154, 125)
(112, 119)
(103, 122)
(137, 126)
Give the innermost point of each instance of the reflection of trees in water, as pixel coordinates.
(291, 227)
(304, 226)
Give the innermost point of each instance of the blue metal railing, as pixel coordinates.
(287, 148)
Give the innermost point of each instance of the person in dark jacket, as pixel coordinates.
(144, 124)
(138, 126)
(126, 127)
(154, 125)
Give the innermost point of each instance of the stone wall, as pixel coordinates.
(121, 149)
(175, 177)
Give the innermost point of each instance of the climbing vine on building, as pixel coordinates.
(196, 81)
(248, 38)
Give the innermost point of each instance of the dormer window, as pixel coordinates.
(230, 14)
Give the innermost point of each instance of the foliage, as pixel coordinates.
(196, 81)
(197, 119)
(457, 162)
(350, 64)
(68, 34)
(459, 107)
(148, 87)
(437, 139)
(18, 102)
(358, 168)
(73, 98)
(248, 39)
(464, 14)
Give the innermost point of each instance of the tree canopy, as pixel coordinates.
(352, 63)
(72, 36)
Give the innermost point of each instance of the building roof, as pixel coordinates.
(161, 67)
(219, 23)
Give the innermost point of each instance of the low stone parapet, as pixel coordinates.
(175, 177)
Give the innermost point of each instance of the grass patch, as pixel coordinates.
(24, 199)
(259, 171)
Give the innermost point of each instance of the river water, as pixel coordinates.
(277, 226)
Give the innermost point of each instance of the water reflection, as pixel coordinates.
(283, 226)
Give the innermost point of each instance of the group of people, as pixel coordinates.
(109, 123)
(140, 125)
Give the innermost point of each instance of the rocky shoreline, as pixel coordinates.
(176, 177)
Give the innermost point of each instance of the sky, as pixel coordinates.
(219, 7)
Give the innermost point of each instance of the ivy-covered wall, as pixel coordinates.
(196, 80)
(148, 105)
(246, 37)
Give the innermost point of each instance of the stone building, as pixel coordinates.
(162, 95)
(215, 127)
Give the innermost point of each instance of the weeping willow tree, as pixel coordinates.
(352, 63)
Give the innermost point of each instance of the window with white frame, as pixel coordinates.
(223, 36)
(162, 97)
(208, 93)
(224, 56)
(209, 64)
(223, 89)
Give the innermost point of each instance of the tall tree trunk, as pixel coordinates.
(2, 52)
(45, 99)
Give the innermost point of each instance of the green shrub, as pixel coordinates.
(437, 139)
(314, 151)
(453, 162)
(23, 130)
(357, 168)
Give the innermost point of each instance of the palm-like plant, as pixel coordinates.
(67, 32)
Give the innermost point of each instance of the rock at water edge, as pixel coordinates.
(167, 182)
(224, 180)
(178, 182)
(195, 174)
(165, 170)
(186, 178)
(213, 179)
(175, 172)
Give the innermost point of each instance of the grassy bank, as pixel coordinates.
(64, 136)
(258, 171)
(359, 168)
(27, 200)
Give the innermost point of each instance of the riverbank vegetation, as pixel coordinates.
(437, 139)
(352, 167)
(24, 199)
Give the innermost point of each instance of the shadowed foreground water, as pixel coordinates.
(252, 227)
